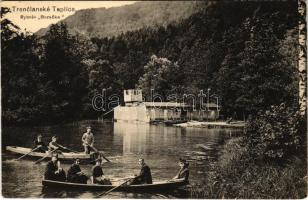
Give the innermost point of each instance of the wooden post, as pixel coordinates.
(302, 62)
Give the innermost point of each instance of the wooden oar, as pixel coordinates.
(70, 149)
(96, 151)
(107, 192)
(101, 154)
(39, 160)
(27, 153)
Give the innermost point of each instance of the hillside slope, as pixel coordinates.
(102, 22)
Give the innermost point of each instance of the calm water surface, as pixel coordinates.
(123, 143)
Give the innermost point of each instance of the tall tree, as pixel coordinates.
(63, 73)
(20, 62)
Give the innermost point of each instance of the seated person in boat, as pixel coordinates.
(184, 171)
(75, 175)
(54, 146)
(98, 175)
(60, 173)
(54, 171)
(39, 145)
(144, 176)
(88, 140)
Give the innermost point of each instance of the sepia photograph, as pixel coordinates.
(154, 99)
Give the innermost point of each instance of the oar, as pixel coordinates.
(27, 153)
(70, 149)
(101, 154)
(96, 151)
(107, 192)
(39, 160)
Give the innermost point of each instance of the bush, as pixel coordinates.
(237, 175)
(277, 134)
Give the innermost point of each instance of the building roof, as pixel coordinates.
(174, 104)
(211, 105)
(165, 104)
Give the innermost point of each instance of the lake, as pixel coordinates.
(123, 143)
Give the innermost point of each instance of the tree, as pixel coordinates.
(160, 75)
(257, 74)
(63, 74)
(20, 65)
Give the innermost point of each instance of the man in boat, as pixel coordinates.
(75, 175)
(39, 145)
(144, 176)
(88, 140)
(98, 174)
(184, 171)
(53, 170)
(54, 146)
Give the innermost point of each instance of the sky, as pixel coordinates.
(32, 21)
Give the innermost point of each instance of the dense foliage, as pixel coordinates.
(277, 134)
(162, 75)
(269, 161)
(238, 175)
(19, 67)
(102, 22)
(244, 51)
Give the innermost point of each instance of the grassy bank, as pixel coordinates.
(237, 175)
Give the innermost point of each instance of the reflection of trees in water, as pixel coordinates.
(141, 138)
(135, 136)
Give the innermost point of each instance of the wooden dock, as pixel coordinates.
(218, 124)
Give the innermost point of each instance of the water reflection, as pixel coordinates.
(161, 147)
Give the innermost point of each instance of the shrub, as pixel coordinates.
(277, 134)
(237, 175)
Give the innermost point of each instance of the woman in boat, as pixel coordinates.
(75, 175)
(39, 145)
(184, 171)
(144, 176)
(98, 174)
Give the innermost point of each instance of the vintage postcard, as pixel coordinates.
(154, 99)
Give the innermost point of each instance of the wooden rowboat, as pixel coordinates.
(158, 186)
(63, 156)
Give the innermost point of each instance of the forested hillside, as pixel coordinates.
(102, 22)
(245, 52)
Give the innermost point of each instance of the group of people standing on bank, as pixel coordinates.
(54, 171)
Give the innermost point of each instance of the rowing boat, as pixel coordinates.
(63, 156)
(161, 186)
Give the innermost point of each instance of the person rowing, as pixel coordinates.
(54, 146)
(88, 141)
(39, 145)
(184, 171)
(144, 176)
(75, 175)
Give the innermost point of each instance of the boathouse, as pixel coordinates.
(135, 109)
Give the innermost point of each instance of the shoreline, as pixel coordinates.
(217, 124)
